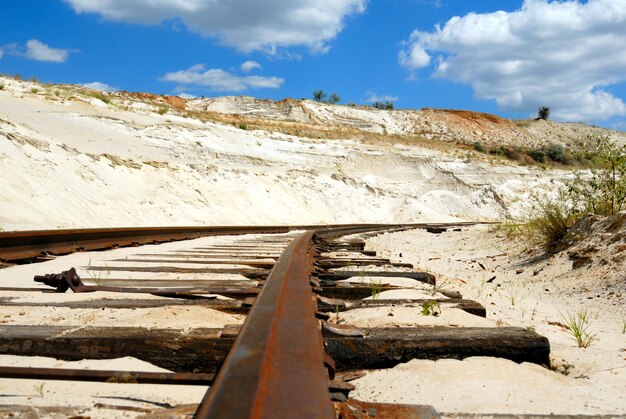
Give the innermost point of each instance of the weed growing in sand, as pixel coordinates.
(512, 296)
(162, 110)
(34, 90)
(337, 311)
(96, 277)
(437, 288)
(377, 287)
(1, 86)
(431, 308)
(362, 276)
(577, 324)
(510, 228)
(39, 389)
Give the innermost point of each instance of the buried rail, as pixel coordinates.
(276, 365)
(21, 245)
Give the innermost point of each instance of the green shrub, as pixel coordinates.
(556, 153)
(2, 86)
(537, 155)
(479, 147)
(603, 191)
(551, 222)
(243, 126)
(598, 191)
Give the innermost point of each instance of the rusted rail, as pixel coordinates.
(276, 366)
(16, 245)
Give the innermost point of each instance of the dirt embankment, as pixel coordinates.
(461, 126)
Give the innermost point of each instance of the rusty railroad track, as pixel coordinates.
(287, 359)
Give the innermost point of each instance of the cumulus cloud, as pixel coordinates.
(38, 51)
(220, 80)
(560, 54)
(372, 97)
(249, 66)
(103, 87)
(244, 24)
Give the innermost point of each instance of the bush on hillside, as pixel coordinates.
(599, 191)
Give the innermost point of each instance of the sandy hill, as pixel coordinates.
(71, 157)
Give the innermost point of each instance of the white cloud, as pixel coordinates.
(219, 80)
(558, 54)
(372, 97)
(103, 87)
(38, 51)
(1, 53)
(186, 96)
(249, 66)
(244, 24)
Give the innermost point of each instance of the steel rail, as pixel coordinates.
(276, 365)
(18, 245)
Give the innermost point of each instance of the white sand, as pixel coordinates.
(64, 160)
(596, 376)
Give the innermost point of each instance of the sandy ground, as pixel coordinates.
(517, 290)
(94, 399)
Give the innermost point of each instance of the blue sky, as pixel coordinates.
(499, 56)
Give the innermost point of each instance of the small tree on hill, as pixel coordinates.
(543, 113)
(334, 98)
(319, 95)
(386, 105)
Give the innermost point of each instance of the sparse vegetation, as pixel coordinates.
(431, 308)
(39, 389)
(437, 288)
(377, 287)
(600, 191)
(1, 86)
(34, 90)
(162, 110)
(552, 221)
(320, 96)
(334, 98)
(556, 153)
(543, 113)
(383, 105)
(577, 325)
(553, 153)
(99, 95)
(243, 126)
